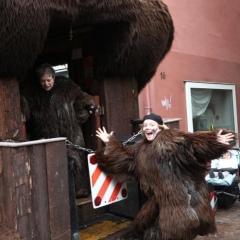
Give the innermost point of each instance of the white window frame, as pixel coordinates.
(190, 85)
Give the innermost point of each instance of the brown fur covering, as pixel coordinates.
(8, 234)
(60, 113)
(171, 172)
(130, 37)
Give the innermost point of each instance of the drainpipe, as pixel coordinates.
(147, 108)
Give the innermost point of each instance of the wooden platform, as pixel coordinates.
(83, 201)
(110, 222)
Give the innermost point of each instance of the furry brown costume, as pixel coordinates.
(131, 37)
(8, 234)
(171, 172)
(60, 112)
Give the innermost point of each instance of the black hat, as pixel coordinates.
(153, 117)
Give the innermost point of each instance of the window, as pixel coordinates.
(61, 70)
(211, 106)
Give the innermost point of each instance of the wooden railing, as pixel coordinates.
(34, 197)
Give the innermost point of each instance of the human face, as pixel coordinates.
(226, 155)
(150, 129)
(47, 82)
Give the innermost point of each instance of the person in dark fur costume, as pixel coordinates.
(56, 107)
(170, 166)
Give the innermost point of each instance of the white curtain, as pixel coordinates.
(200, 101)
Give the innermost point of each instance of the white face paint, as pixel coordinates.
(150, 129)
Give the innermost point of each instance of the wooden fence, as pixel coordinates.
(34, 197)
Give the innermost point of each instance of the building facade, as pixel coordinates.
(199, 79)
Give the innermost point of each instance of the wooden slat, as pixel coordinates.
(120, 100)
(8, 190)
(1, 187)
(39, 191)
(34, 197)
(57, 174)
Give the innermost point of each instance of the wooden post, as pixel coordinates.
(119, 98)
(34, 196)
(10, 112)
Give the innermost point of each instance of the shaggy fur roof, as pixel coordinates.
(130, 37)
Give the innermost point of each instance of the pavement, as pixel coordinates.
(228, 224)
(227, 221)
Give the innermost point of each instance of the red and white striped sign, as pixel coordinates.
(105, 190)
(212, 201)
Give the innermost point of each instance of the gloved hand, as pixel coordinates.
(90, 108)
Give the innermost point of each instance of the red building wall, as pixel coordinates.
(205, 49)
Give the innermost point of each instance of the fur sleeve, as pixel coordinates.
(205, 144)
(69, 91)
(82, 100)
(117, 160)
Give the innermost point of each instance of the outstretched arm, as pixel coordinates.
(115, 159)
(209, 145)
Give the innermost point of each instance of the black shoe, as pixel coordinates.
(220, 175)
(211, 174)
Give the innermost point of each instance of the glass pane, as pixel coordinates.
(61, 70)
(218, 113)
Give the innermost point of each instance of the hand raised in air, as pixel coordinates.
(103, 135)
(225, 138)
